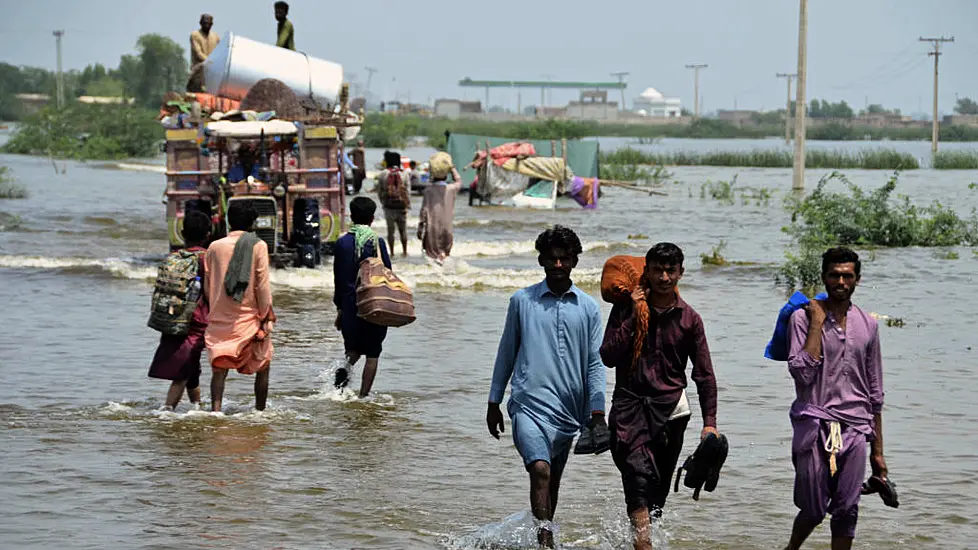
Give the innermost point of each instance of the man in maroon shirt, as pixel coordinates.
(649, 409)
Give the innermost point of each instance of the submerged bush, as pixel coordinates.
(9, 189)
(956, 160)
(875, 159)
(876, 218)
(860, 218)
(88, 132)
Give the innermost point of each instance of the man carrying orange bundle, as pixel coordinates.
(649, 410)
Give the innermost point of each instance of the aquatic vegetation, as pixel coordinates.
(860, 218)
(875, 218)
(88, 132)
(638, 237)
(956, 160)
(895, 322)
(874, 159)
(715, 257)
(651, 175)
(722, 191)
(947, 255)
(8, 188)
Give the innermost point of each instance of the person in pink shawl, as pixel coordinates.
(239, 292)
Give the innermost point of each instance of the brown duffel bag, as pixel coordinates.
(382, 297)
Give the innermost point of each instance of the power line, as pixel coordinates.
(621, 78)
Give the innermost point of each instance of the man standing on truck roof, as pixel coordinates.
(202, 43)
(286, 33)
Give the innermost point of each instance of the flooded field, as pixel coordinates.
(89, 461)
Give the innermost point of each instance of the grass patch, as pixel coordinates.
(947, 255)
(859, 218)
(715, 257)
(727, 192)
(875, 159)
(651, 175)
(956, 160)
(9, 189)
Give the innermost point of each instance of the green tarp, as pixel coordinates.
(582, 156)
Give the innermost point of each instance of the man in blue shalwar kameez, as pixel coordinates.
(550, 351)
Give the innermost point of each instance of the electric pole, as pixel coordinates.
(621, 80)
(370, 76)
(696, 86)
(936, 44)
(787, 107)
(798, 176)
(60, 82)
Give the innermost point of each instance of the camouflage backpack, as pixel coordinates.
(176, 294)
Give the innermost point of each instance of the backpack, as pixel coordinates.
(396, 195)
(778, 348)
(176, 294)
(382, 297)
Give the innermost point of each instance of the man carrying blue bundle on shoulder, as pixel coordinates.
(834, 358)
(549, 349)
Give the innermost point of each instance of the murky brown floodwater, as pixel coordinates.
(87, 460)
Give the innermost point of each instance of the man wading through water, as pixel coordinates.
(649, 409)
(835, 360)
(238, 289)
(549, 348)
(394, 192)
(361, 338)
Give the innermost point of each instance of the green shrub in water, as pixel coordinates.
(875, 159)
(860, 218)
(956, 160)
(88, 132)
(875, 218)
(9, 189)
(715, 257)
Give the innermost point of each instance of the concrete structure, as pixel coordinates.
(455, 109)
(741, 117)
(961, 120)
(593, 106)
(653, 104)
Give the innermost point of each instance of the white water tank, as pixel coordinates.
(238, 63)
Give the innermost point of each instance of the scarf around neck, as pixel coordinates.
(362, 234)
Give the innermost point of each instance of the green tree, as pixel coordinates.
(162, 67)
(966, 106)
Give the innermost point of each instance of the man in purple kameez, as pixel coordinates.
(835, 361)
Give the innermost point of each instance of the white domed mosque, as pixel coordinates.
(653, 104)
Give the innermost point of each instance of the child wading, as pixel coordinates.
(180, 313)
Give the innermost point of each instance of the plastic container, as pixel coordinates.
(238, 63)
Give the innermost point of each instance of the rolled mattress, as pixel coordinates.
(238, 63)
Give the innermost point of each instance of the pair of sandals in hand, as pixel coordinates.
(595, 439)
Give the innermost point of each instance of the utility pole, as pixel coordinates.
(787, 107)
(696, 86)
(621, 80)
(798, 176)
(370, 76)
(60, 82)
(936, 52)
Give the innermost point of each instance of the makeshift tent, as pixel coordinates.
(582, 156)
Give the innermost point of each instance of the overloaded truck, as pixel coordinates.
(219, 151)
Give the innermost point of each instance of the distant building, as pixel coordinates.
(455, 109)
(593, 106)
(741, 117)
(961, 120)
(33, 102)
(653, 104)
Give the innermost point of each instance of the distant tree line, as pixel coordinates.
(159, 65)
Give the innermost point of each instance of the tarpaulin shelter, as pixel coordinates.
(582, 156)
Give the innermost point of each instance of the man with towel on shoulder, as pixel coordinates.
(239, 292)
(649, 409)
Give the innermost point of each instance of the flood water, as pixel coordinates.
(88, 460)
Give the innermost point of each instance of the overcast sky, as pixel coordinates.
(858, 49)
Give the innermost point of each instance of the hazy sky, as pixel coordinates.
(858, 49)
